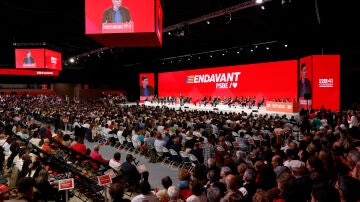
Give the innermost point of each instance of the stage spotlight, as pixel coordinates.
(285, 45)
(208, 22)
(71, 60)
(259, 1)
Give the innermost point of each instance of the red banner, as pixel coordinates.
(326, 81)
(272, 80)
(28, 72)
(289, 107)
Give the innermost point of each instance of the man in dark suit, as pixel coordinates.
(116, 13)
(145, 89)
(261, 102)
(28, 60)
(304, 83)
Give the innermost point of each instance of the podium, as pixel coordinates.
(120, 27)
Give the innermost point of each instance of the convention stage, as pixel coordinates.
(223, 108)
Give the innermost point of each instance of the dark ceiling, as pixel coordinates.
(307, 26)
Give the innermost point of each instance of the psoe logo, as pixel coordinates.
(53, 60)
(326, 82)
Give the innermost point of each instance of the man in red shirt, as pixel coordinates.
(95, 154)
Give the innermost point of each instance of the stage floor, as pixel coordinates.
(223, 108)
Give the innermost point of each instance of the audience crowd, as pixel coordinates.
(312, 156)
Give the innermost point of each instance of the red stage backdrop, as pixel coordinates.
(326, 81)
(271, 80)
(146, 86)
(37, 55)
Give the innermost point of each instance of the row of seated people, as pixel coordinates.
(214, 101)
(56, 153)
(32, 174)
(211, 100)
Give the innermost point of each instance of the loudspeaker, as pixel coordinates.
(216, 108)
(254, 110)
(307, 96)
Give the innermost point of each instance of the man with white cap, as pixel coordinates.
(303, 182)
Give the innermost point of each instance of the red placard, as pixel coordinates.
(104, 179)
(271, 80)
(29, 58)
(66, 184)
(53, 60)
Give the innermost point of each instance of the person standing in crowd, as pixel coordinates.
(130, 173)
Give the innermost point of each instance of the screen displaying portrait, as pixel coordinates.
(29, 58)
(119, 16)
(305, 78)
(273, 80)
(146, 85)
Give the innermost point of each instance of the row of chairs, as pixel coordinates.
(170, 157)
(167, 157)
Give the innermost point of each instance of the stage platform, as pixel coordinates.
(223, 108)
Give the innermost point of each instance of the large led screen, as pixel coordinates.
(53, 60)
(119, 16)
(273, 80)
(29, 58)
(146, 86)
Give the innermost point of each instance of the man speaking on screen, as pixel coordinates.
(145, 88)
(28, 60)
(117, 13)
